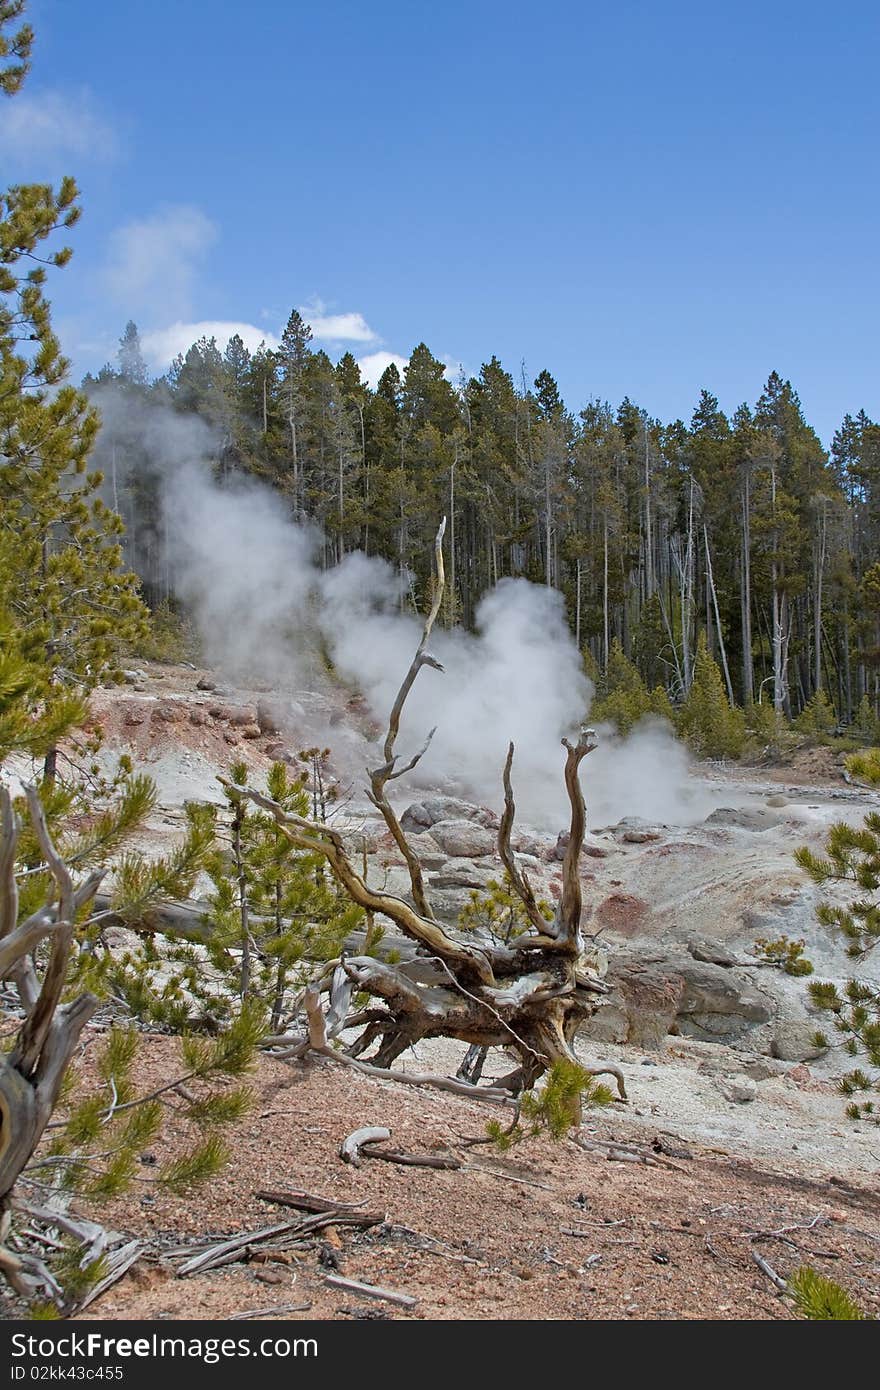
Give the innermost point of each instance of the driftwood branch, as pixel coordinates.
(350, 1148)
(371, 1290)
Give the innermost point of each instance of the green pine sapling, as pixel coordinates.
(853, 858)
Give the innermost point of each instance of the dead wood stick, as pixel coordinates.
(415, 1078)
(350, 1148)
(371, 1290)
(226, 1251)
(307, 1201)
(770, 1272)
(407, 1160)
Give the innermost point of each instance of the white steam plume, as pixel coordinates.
(265, 609)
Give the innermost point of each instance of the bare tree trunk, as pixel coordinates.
(710, 583)
(649, 539)
(748, 685)
(818, 577)
(241, 878)
(577, 605)
(605, 619)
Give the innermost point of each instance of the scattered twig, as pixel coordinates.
(506, 1177)
(274, 1312)
(770, 1272)
(407, 1160)
(231, 1250)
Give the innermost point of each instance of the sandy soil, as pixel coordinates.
(507, 1235)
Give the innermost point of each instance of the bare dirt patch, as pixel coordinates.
(507, 1236)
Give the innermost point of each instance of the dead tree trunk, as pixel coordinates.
(32, 1073)
(529, 996)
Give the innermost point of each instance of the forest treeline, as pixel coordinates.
(742, 532)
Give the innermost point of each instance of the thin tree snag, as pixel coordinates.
(570, 911)
(520, 883)
(32, 1072)
(528, 996)
(381, 776)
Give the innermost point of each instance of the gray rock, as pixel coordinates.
(415, 819)
(761, 1068)
(639, 837)
(741, 1088)
(704, 949)
(594, 849)
(611, 1023)
(463, 839)
(662, 993)
(712, 989)
(421, 815)
(744, 818)
(792, 1040)
(460, 873)
(528, 845)
(647, 995)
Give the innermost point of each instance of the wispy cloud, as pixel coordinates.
(44, 127)
(375, 363)
(153, 262)
(162, 345)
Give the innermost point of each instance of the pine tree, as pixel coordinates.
(65, 586)
(274, 909)
(706, 720)
(132, 367)
(622, 697)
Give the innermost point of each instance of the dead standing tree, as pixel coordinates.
(32, 1073)
(529, 997)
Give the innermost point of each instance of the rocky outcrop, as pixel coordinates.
(654, 994)
(745, 818)
(422, 815)
(239, 715)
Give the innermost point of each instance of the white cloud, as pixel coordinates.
(339, 328)
(162, 345)
(374, 364)
(52, 125)
(153, 262)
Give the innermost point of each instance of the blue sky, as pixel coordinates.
(645, 198)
